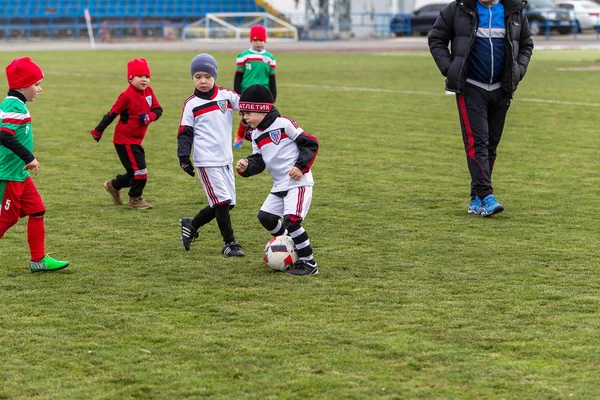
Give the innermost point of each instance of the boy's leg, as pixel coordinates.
(272, 223)
(296, 205)
(36, 236)
(140, 172)
(32, 205)
(10, 207)
(231, 248)
(21, 199)
(123, 180)
(203, 217)
(239, 137)
(4, 227)
(223, 198)
(219, 186)
(306, 264)
(270, 214)
(190, 226)
(133, 159)
(224, 222)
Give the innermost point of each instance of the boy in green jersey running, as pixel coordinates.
(18, 193)
(254, 66)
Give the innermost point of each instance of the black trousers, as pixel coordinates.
(133, 158)
(482, 115)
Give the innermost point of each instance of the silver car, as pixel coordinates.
(586, 13)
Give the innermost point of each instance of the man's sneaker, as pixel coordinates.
(138, 203)
(475, 206)
(232, 249)
(47, 264)
(189, 234)
(114, 193)
(490, 206)
(237, 144)
(303, 267)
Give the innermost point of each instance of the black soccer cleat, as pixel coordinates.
(232, 249)
(189, 234)
(304, 267)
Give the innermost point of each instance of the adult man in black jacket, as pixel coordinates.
(490, 47)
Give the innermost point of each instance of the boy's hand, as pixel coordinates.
(241, 166)
(32, 165)
(295, 173)
(187, 166)
(145, 118)
(96, 135)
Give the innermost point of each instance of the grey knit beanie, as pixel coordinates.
(204, 63)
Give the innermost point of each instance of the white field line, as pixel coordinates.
(376, 90)
(345, 88)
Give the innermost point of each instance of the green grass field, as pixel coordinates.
(415, 298)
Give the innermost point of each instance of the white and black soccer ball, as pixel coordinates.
(280, 253)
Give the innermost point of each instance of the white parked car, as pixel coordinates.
(586, 13)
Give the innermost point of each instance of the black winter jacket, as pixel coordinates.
(457, 24)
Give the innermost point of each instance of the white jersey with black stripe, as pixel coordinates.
(280, 152)
(212, 121)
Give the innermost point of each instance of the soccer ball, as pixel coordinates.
(280, 254)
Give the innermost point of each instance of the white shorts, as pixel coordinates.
(218, 184)
(296, 202)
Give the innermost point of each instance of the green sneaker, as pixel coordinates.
(47, 264)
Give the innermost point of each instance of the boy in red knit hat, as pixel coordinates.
(137, 107)
(18, 193)
(254, 66)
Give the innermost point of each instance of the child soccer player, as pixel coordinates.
(18, 193)
(254, 66)
(137, 107)
(206, 124)
(287, 152)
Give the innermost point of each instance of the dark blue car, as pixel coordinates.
(419, 22)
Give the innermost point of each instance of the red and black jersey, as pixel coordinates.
(129, 106)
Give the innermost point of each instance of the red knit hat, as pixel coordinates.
(258, 32)
(137, 67)
(23, 72)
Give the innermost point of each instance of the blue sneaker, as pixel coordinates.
(491, 206)
(237, 144)
(475, 206)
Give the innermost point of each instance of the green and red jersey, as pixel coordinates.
(257, 67)
(15, 123)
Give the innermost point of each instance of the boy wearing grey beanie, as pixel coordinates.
(205, 131)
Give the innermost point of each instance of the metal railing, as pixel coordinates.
(363, 24)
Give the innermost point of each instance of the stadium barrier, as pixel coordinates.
(168, 24)
(236, 26)
(64, 19)
(138, 30)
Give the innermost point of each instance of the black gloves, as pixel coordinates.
(145, 119)
(187, 166)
